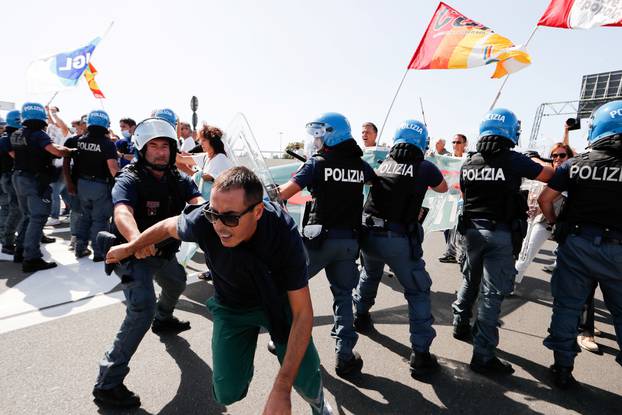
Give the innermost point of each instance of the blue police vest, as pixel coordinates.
(91, 160)
(489, 191)
(595, 190)
(28, 156)
(337, 192)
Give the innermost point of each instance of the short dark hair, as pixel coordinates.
(128, 121)
(240, 177)
(462, 136)
(372, 125)
(214, 136)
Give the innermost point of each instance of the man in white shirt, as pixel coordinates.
(58, 132)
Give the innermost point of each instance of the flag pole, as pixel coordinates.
(422, 111)
(52, 99)
(392, 102)
(505, 81)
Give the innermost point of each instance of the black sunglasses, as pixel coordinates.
(228, 219)
(457, 142)
(560, 155)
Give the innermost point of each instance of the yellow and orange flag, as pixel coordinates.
(453, 41)
(89, 75)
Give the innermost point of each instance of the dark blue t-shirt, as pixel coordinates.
(125, 189)
(304, 175)
(561, 179)
(124, 146)
(38, 138)
(276, 246)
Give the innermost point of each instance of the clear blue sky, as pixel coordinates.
(283, 62)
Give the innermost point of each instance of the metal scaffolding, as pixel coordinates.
(549, 109)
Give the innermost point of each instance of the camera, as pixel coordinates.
(573, 123)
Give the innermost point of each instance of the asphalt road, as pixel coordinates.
(49, 365)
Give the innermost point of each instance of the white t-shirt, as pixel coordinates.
(217, 165)
(56, 134)
(188, 144)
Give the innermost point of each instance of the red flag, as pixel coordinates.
(580, 14)
(453, 41)
(89, 75)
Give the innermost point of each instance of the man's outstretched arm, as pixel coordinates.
(279, 401)
(162, 230)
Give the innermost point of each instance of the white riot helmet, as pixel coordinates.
(150, 129)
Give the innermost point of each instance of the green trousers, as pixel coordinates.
(233, 350)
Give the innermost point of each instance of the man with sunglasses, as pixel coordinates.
(259, 270)
(146, 191)
(589, 234)
(335, 177)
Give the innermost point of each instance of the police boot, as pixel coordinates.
(422, 363)
(171, 325)
(462, 332)
(18, 256)
(363, 323)
(47, 239)
(81, 253)
(39, 264)
(8, 249)
(119, 396)
(562, 376)
(490, 367)
(345, 367)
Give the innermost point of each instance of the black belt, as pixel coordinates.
(600, 235)
(378, 225)
(93, 179)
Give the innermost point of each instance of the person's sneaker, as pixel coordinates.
(52, 222)
(353, 365)
(272, 347)
(81, 253)
(119, 396)
(18, 256)
(8, 249)
(586, 342)
(39, 264)
(447, 259)
(47, 239)
(363, 323)
(462, 332)
(562, 376)
(72, 243)
(171, 325)
(205, 276)
(422, 363)
(490, 367)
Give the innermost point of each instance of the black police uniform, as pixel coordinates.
(493, 222)
(589, 233)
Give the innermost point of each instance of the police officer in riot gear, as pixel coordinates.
(33, 152)
(589, 233)
(10, 219)
(146, 192)
(335, 177)
(167, 115)
(96, 165)
(492, 224)
(392, 235)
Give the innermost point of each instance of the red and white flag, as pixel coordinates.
(582, 14)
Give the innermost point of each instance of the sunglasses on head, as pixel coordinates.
(228, 219)
(560, 155)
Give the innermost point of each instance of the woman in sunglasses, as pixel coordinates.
(539, 231)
